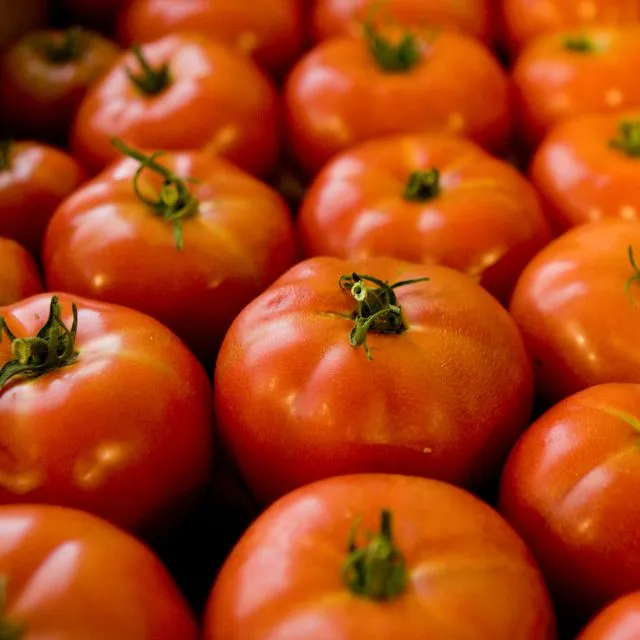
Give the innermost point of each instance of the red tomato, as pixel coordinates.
(441, 386)
(20, 17)
(114, 420)
(586, 169)
(269, 30)
(619, 621)
(570, 304)
(192, 256)
(570, 489)
(303, 571)
(34, 179)
(67, 574)
(348, 90)
(561, 75)
(183, 91)
(19, 277)
(428, 198)
(332, 18)
(44, 78)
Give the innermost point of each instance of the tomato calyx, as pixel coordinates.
(628, 140)
(392, 58)
(377, 308)
(5, 154)
(422, 186)
(61, 48)
(376, 571)
(636, 276)
(579, 43)
(53, 347)
(175, 202)
(149, 81)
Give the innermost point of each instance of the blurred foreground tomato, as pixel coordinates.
(19, 277)
(618, 621)
(67, 574)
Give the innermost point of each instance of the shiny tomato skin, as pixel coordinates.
(217, 100)
(570, 304)
(445, 399)
(19, 277)
(123, 432)
(74, 576)
(271, 31)
(34, 181)
(485, 221)
(283, 579)
(618, 621)
(569, 489)
(337, 96)
(553, 83)
(238, 243)
(581, 177)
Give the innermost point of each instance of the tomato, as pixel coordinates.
(34, 179)
(19, 277)
(426, 198)
(269, 30)
(20, 17)
(332, 18)
(618, 621)
(524, 20)
(586, 169)
(183, 91)
(111, 415)
(45, 76)
(303, 570)
(67, 574)
(585, 71)
(346, 375)
(570, 304)
(569, 489)
(348, 90)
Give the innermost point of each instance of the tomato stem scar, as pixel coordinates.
(62, 48)
(579, 43)
(628, 140)
(149, 81)
(422, 185)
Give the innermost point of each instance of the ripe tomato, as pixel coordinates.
(191, 256)
(19, 18)
(44, 78)
(586, 169)
(183, 91)
(441, 387)
(618, 621)
(34, 179)
(426, 198)
(114, 419)
(569, 489)
(348, 90)
(570, 304)
(332, 18)
(303, 570)
(67, 574)
(269, 30)
(560, 75)
(19, 277)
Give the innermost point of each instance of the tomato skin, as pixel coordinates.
(19, 277)
(283, 579)
(485, 221)
(618, 621)
(337, 96)
(71, 575)
(269, 31)
(427, 403)
(568, 488)
(38, 177)
(218, 101)
(20, 18)
(552, 83)
(570, 304)
(146, 398)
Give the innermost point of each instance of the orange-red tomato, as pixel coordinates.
(19, 277)
(426, 198)
(570, 490)
(34, 179)
(618, 621)
(269, 30)
(439, 563)
(187, 92)
(348, 90)
(570, 304)
(44, 78)
(587, 167)
(585, 71)
(345, 375)
(67, 574)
